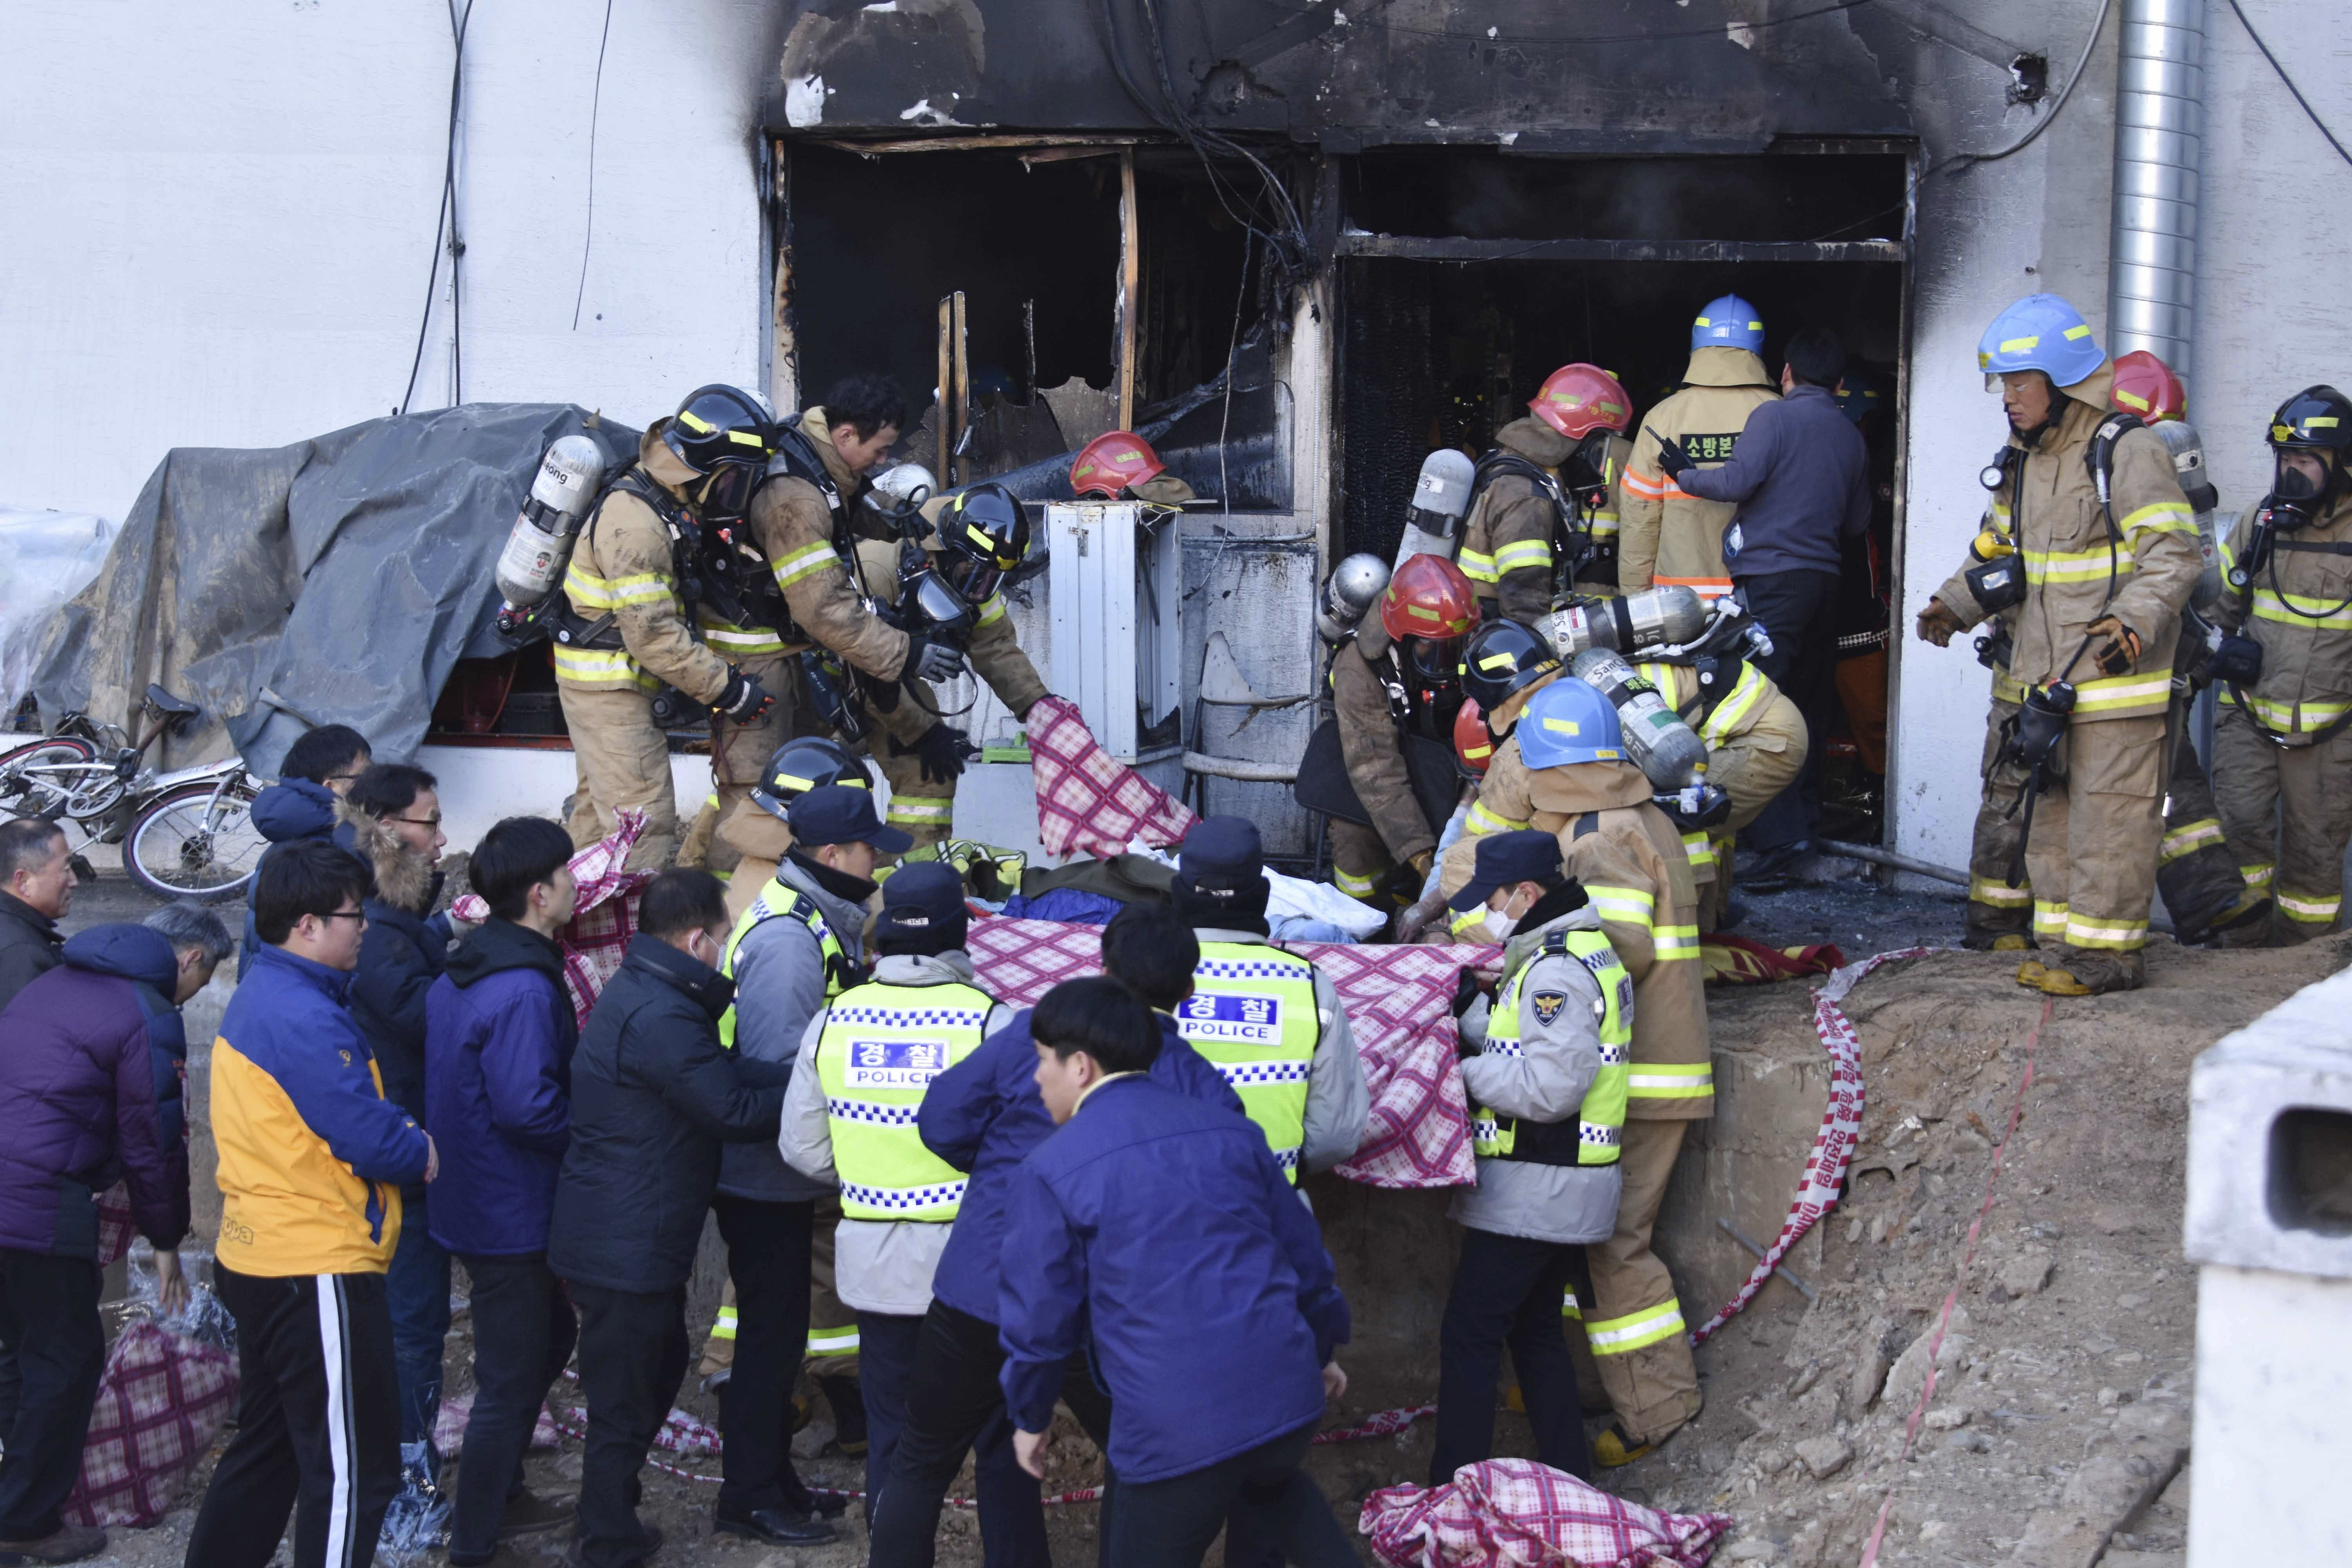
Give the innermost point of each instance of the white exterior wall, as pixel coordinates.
(219, 219)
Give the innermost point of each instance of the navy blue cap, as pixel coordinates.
(837, 814)
(1224, 849)
(1504, 860)
(923, 902)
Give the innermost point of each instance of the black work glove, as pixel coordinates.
(742, 699)
(932, 662)
(1672, 457)
(1465, 996)
(2236, 659)
(943, 752)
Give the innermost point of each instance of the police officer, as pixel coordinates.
(2281, 755)
(1546, 1087)
(1630, 859)
(1399, 677)
(1270, 1021)
(625, 632)
(2106, 580)
(1668, 537)
(850, 1118)
(1550, 487)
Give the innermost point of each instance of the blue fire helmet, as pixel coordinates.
(1570, 721)
(1730, 323)
(1864, 393)
(2041, 333)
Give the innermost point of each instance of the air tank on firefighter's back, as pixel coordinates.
(539, 548)
(1669, 753)
(1348, 596)
(1440, 496)
(1632, 623)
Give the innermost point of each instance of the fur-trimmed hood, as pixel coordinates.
(404, 878)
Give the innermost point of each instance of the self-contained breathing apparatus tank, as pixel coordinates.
(1348, 596)
(1655, 617)
(2187, 449)
(539, 547)
(1440, 499)
(1668, 751)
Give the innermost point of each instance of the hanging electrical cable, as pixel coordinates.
(444, 220)
(595, 106)
(2301, 101)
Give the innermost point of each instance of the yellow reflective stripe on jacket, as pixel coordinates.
(1355, 887)
(2110, 935)
(2007, 687)
(1603, 525)
(994, 611)
(1738, 706)
(800, 563)
(1675, 942)
(2075, 565)
(598, 666)
(1628, 906)
(1671, 1080)
(2150, 689)
(2307, 910)
(1476, 566)
(732, 638)
(1524, 554)
(833, 1341)
(2299, 610)
(1985, 890)
(2189, 838)
(1463, 922)
(2288, 717)
(2258, 875)
(588, 591)
(724, 1328)
(923, 809)
(1699, 848)
(1568, 1305)
(2158, 517)
(1634, 1330)
(1482, 821)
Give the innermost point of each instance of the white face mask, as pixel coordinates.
(1500, 926)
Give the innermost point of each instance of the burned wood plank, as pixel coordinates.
(1419, 248)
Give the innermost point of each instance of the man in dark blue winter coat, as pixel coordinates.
(984, 1115)
(89, 1095)
(318, 770)
(499, 1038)
(1152, 1220)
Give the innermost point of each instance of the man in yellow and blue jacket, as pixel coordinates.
(313, 1159)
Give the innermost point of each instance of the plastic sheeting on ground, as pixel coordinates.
(334, 581)
(46, 558)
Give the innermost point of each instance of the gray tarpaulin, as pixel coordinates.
(334, 581)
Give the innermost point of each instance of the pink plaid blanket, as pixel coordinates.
(160, 1401)
(1398, 1005)
(1086, 802)
(602, 921)
(1515, 1513)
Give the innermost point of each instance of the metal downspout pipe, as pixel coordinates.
(2160, 138)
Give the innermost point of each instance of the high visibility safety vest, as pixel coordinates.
(879, 1049)
(1252, 1015)
(777, 898)
(1601, 1119)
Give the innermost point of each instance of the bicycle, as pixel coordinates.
(188, 833)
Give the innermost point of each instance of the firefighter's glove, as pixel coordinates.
(1421, 864)
(2114, 647)
(933, 661)
(1672, 458)
(943, 752)
(742, 699)
(1938, 623)
(2236, 659)
(1466, 997)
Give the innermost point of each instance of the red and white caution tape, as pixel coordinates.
(1383, 1423)
(1834, 1145)
(1952, 1296)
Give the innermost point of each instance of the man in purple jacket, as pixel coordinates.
(1802, 476)
(984, 1115)
(89, 1094)
(499, 1036)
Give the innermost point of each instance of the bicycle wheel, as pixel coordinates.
(181, 846)
(28, 793)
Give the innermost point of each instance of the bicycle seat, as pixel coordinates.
(164, 702)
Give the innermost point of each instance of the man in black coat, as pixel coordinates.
(37, 884)
(653, 1098)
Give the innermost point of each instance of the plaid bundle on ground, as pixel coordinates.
(1086, 801)
(1398, 1001)
(1515, 1513)
(604, 919)
(160, 1401)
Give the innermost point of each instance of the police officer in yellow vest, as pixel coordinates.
(849, 1118)
(795, 949)
(1270, 1021)
(1546, 1087)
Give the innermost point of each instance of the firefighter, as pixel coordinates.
(1399, 677)
(1271, 1022)
(1549, 483)
(945, 589)
(2105, 582)
(623, 633)
(1668, 537)
(2281, 755)
(1755, 742)
(1567, 747)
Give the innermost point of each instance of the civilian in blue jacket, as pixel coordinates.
(498, 1038)
(1162, 1226)
(89, 1092)
(320, 769)
(984, 1115)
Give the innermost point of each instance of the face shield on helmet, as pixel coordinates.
(2309, 438)
(727, 494)
(1435, 661)
(983, 535)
